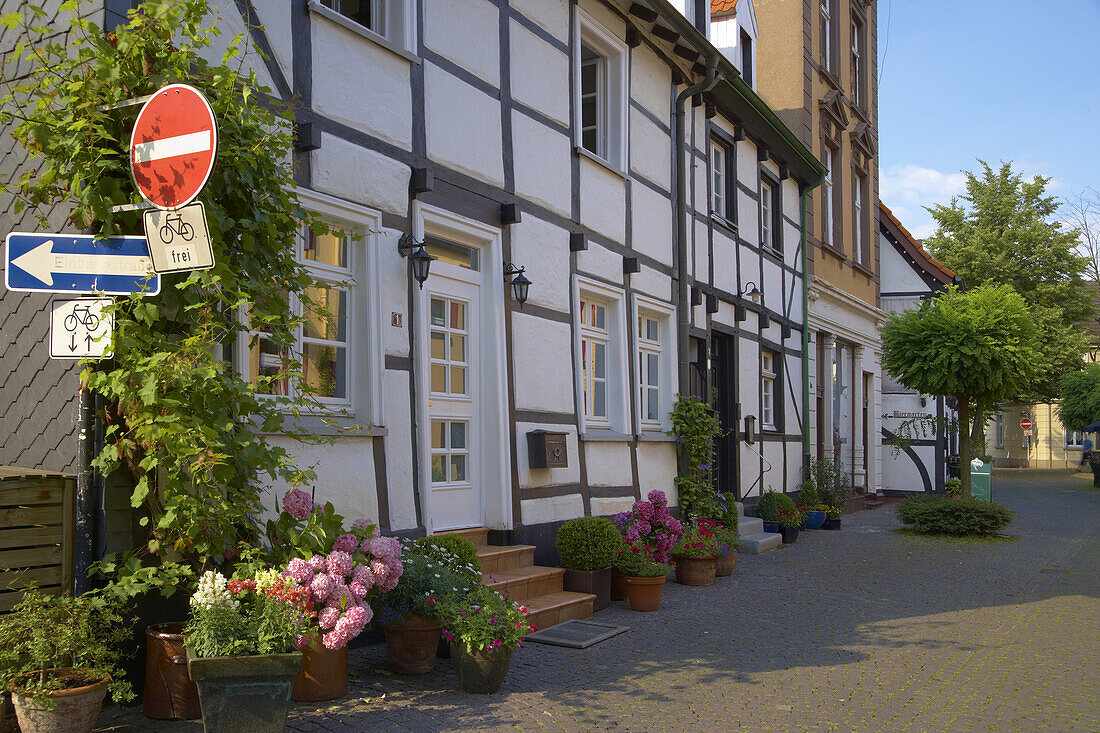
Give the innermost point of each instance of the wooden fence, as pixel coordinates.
(36, 532)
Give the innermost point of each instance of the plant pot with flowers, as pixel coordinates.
(242, 647)
(644, 578)
(832, 518)
(484, 630)
(696, 554)
(789, 522)
(728, 542)
(809, 503)
(59, 657)
(409, 613)
(588, 547)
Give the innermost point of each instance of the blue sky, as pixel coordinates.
(966, 79)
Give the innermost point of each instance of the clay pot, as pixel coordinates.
(412, 645)
(596, 582)
(644, 594)
(250, 693)
(480, 672)
(726, 564)
(74, 710)
(169, 693)
(324, 674)
(618, 585)
(696, 570)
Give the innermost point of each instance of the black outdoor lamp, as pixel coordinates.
(520, 283)
(751, 292)
(420, 260)
(750, 429)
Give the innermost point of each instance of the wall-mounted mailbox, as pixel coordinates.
(546, 450)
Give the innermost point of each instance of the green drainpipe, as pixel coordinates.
(806, 326)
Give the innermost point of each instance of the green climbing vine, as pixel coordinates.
(696, 428)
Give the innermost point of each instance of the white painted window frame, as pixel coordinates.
(999, 430)
(828, 201)
(618, 370)
(1074, 439)
(397, 16)
(826, 26)
(857, 61)
(720, 204)
(767, 389)
(593, 336)
(664, 314)
(859, 184)
(589, 32)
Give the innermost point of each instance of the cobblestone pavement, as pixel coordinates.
(865, 629)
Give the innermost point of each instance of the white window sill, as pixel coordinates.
(604, 435)
(655, 435)
(351, 25)
(584, 152)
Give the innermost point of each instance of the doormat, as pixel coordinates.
(576, 634)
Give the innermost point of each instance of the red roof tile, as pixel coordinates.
(718, 7)
(913, 246)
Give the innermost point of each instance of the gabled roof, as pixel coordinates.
(721, 7)
(912, 247)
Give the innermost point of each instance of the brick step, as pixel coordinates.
(521, 584)
(473, 534)
(552, 609)
(494, 558)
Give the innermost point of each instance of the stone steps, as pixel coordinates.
(520, 584)
(754, 540)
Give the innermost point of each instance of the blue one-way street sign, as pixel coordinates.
(78, 263)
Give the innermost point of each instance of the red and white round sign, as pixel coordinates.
(1025, 423)
(173, 146)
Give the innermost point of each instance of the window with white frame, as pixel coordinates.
(827, 34)
(600, 92)
(857, 82)
(392, 20)
(860, 186)
(827, 201)
(768, 369)
(450, 452)
(769, 213)
(649, 370)
(1075, 439)
(595, 343)
(654, 363)
(721, 203)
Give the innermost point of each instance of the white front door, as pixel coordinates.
(454, 409)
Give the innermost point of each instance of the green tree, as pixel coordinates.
(186, 424)
(1079, 402)
(1005, 234)
(978, 346)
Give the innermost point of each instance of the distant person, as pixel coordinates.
(1086, 451)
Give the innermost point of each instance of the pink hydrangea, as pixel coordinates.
(317, 562)
(632, 534)
(328, 617)
(393, 569)
(674, 526)
(643, 510)
(384, 547)
(300, 570)
(658, 498)
(366, 525)
(322, 587)
(358, 616)
(361, 574)
(297, 503)
(643, 527)
(346, 543)
(339, 563)
(358, 591)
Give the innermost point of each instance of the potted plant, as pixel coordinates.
(242, 647)
(696, 553)
(588, 547)
(409, 614)
(789, 522)
(728, 543)
(767, 509)
(832, 518)
(59, 657)
(649, 524)
(953, 488)
(644, 578)
(809, 502)
(483, 630)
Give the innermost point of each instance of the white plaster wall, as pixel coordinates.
(657, 469)
(773, 453)
(551, 509)
(365, 86)
(552, 15)
(399, 462)
(651, 82)
(899, 472)
(395, 295)
(608, 464)
(748, 216)
(357, 174)
(603, 200)
(772, 285)
(650, 150)
(604, 16)
(541, 162)
(748, 168)
(699, 251)
(463, 126)
(532, 477)
(606, 507)
(543, 360)
(228, 19)
(345, 475)
(897, 274)
(466, 32)
(276, 22)
(543, 248)
(539, 74)
(652, 283)
(599, 261)
(651, 232)
(725, 262)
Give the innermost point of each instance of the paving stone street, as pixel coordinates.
(866, 629)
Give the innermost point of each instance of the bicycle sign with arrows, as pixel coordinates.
(80, 329)
(179, 239)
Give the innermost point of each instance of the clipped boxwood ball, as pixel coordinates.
(467, 553)
(589, 543)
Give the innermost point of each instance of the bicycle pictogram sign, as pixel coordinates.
(81, 329)
(179, 240)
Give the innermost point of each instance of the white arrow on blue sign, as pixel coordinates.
(79, 263)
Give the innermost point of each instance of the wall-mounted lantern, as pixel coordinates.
(520, 284)
(419, 259)
(751, 292)
(750, 429)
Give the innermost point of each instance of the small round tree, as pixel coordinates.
(1080, 398)
(978, 346)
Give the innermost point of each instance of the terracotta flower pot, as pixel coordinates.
(696, 570)
(644, 594)
(169, 693)
(480, 672)
(726, 564)
(244, 693)
(324, 674)
(596, 582)
(74, 710)
(618, 585)
(412, 645)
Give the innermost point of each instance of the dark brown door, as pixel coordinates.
(723, 361)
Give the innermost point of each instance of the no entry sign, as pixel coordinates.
(1025, 423)
(173, 146)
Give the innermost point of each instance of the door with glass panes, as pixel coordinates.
(453, 407)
